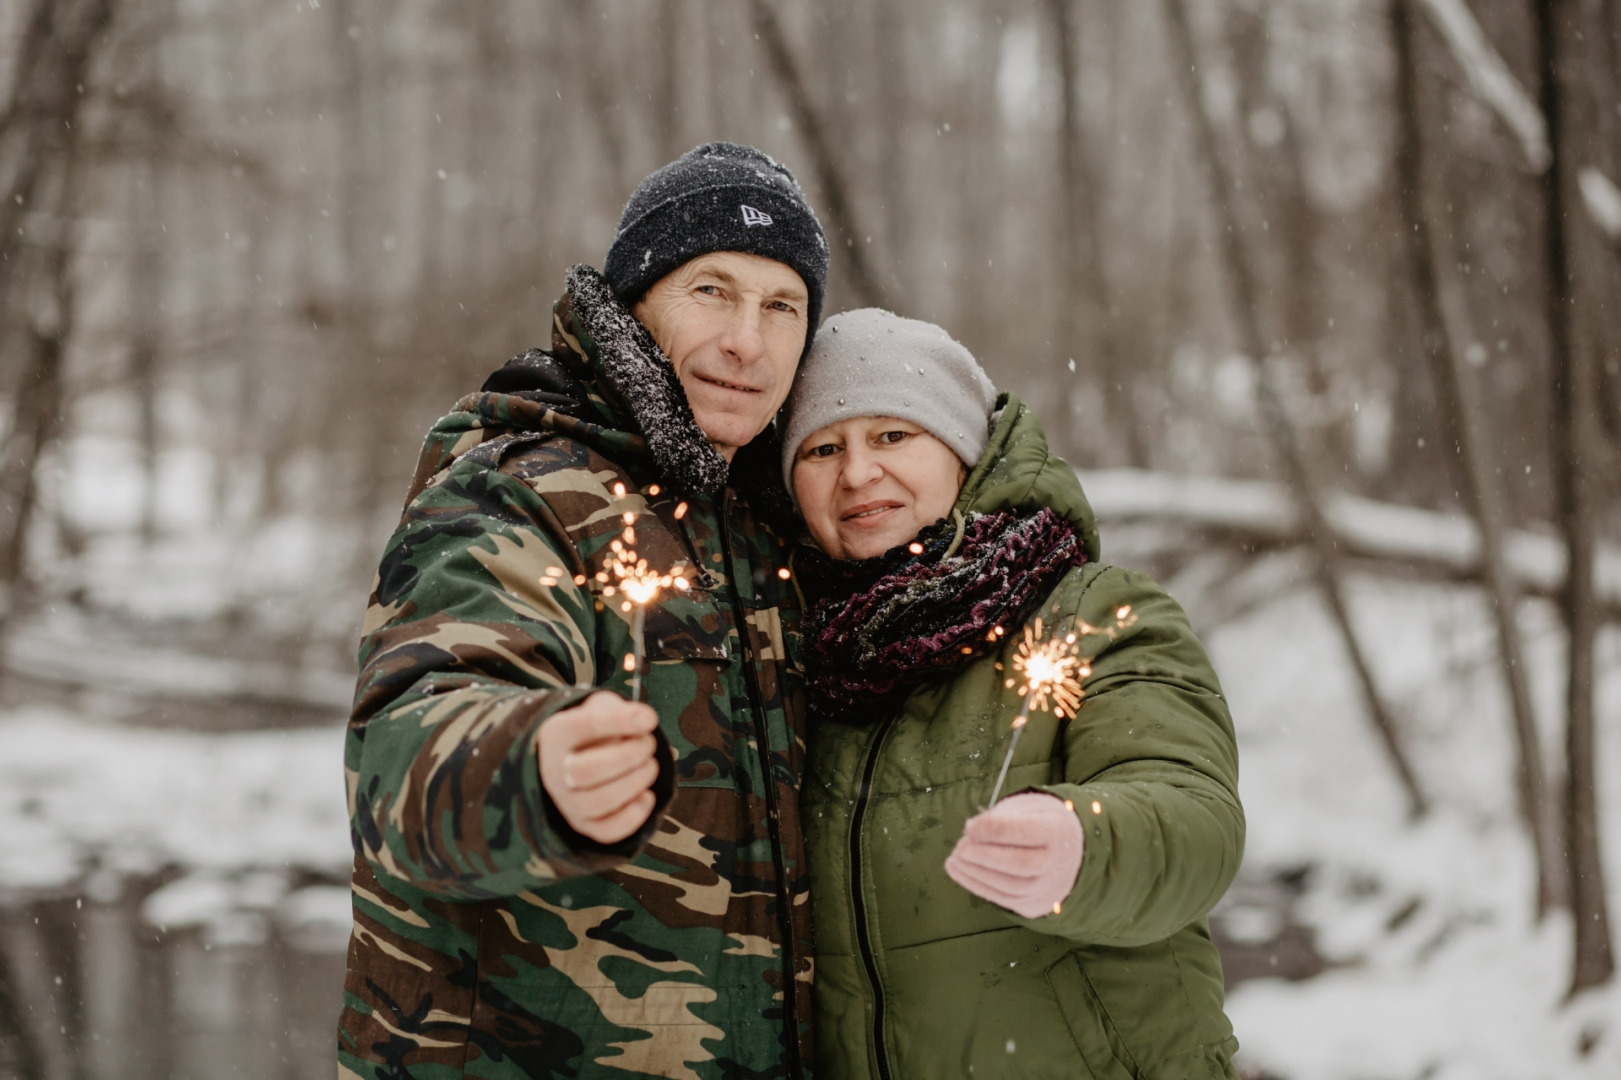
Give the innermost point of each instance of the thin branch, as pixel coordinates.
(1243, 305)
(826, 161)
(1490, 77)
(1468, 433)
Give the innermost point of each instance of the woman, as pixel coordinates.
(1062, 932)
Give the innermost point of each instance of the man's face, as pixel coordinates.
(734, 326)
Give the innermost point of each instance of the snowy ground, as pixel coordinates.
(244, 816)
(1437, 968)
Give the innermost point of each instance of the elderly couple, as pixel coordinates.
(767, 848)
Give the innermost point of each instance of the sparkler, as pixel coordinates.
(627, 574)
(1053, 675)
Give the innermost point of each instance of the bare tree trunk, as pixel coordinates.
(666, 94)
(145, 330)
(1325, 563)
(36, 411)
(824, 157)
(599, 94)
(1603, 52)
(1575, 434)
(343, 26)
(42, 125)
(1085, 318)
(894, 103)
(1468, 434)
(15, 1031)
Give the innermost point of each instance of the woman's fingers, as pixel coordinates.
(1025, 862)
(1026, 819)
(989, 876)
(1024, 854)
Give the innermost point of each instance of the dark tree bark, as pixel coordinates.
(1576, 436)
(667, 82)
(15, 1032)
(1244, 308)
(1467, 428)
(42, 129)
(1085, 320)
(350, 212)
(825, 158)
(895, 104)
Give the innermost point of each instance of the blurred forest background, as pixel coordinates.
(1323, 297)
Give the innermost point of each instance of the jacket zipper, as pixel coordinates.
(785, 925)
(863, 936)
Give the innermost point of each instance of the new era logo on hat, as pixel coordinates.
(751, 216)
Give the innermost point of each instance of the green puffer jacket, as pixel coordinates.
(490, 939)
(916, 977)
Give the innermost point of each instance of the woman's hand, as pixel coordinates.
(1024, 854)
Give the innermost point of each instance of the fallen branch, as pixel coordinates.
(1264, 514)
(1490, 78)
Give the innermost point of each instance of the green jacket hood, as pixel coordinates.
(1018, 472)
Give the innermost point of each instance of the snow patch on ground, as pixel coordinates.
(1438, 967)
(77, 795)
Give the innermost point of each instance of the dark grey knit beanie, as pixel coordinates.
(717, 197)
(870, 362)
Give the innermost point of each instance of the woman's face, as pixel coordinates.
(872, 482)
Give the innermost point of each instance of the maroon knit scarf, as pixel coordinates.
(881, 626)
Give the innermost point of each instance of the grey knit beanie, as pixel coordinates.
(870, 362)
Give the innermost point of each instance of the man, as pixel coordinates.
(552, 880)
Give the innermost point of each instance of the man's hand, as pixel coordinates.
(598, 762)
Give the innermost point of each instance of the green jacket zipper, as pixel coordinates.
(863, 935)
(785, 924)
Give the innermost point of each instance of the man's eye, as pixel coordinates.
(708, 290)
(783, 305)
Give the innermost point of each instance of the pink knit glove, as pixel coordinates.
(1024, 854)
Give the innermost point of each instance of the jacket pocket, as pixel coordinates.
(691, 680)
(687, 626)
(1094, 1032)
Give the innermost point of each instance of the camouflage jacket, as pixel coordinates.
(490, 939)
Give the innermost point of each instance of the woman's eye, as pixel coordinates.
(825, 450)
(893, 436)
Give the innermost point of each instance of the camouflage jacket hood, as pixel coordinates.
(605, 382)
(490, 939)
